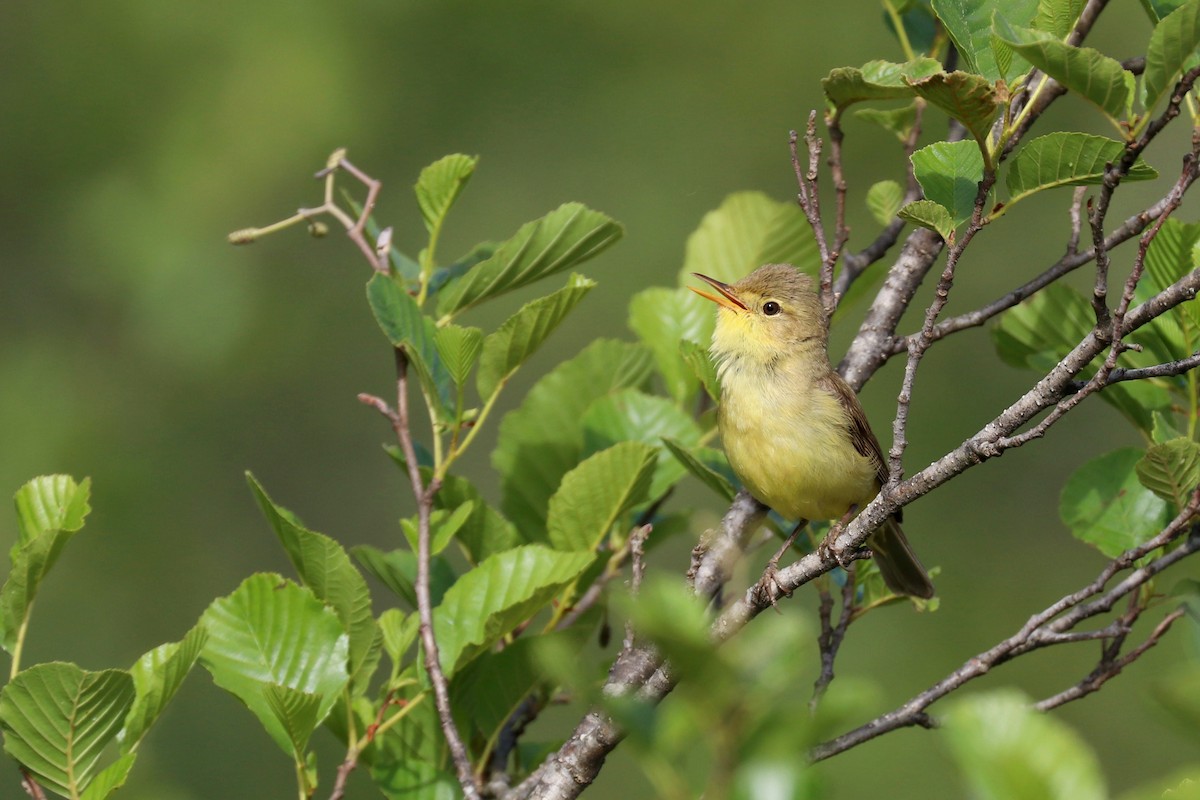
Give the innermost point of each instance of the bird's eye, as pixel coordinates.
(771, 308)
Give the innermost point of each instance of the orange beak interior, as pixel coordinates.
(725, 295)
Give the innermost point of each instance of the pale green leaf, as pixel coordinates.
(662, 318)
(969, 23)
(1067, 159)
(543, 438)
(876, 80)
(1008, 751)
(884, 200)
(51, 503)
(899, 121)
(1105, 505)
(1173, 44)
(58, 719)
(459, 349)
(928, 214)
(562, 239)
(443, 525)
(399, 633)
(506, 349)
(271, 631)
(157, 676)
(1057, 17)
(967, 98)
(405, 326)
(705, 464)
(949, 174)
(1087, 72)
(109, 779)
(499, 594)
(596, 494)
(700, 361)
(1171, 470)
(298, 714)
(325, 568)
(439, 186)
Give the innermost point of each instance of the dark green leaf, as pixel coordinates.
(562, 239)
(1157, 9)
(1067, 159)
(703, 463)
(459, 349)
(485, 531)
(157, 676)
(1104, 504)
(931, 215)
(439, 186)
(595, 494)
(506, 349)
(499, 594)
(1172, 45)
(949, 174)
(876, 80)
(1087, 72)
(324, 567)
(405, 326)
(969, 23)
(968, 98)
(1171, 470)
(884, 200)
(662, 318)
(57, 720)
(397, 570)
(271, 631)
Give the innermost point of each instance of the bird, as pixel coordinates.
(793, 430)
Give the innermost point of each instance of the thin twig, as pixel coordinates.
(31, 786)
(830, 639)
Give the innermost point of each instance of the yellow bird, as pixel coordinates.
(794, 431)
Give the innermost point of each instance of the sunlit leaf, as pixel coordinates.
(595, 494)
(1067, 159)
(506, 349)
(405, 326)
(969, 23)
(700, 361)
(929, 214)
(157, 676)
(876, 80)
(662, 318)
(562, 239)
(884, 200)
(443, 525)
(1171, 470)
(967, 98)
(459, 349)
(439, 186)
(1057, 17)
(949, 174)
(1105, 505)
(1172, 45)
(298, 714)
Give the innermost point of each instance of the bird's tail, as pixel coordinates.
(901, 569)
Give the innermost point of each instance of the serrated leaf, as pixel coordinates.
(564, 238)
(662, 318)
(1087, 72)
(595, 494)
(633, 416)
(325, 568)
(297, 713)
(949, 174)
(399, 633)
(1008, 751)
(443, 525)
(50, 510)
(459, 349)
(439, 186)
(57, 720)
(499, 594)
(967, 98)
(698, 463)
(884, 200)
(507, 348)
(1057, 17)
(157, 676)
(1171, 470)
(1067, 159)
(1104, 504)
(1172, 45)
(543, 438)
(876, 80)
(928, 214)
(897, 120)
(397, 570)
(109, 779)
(700, 362)
(271, 631)
(969, 23)
(405, 326)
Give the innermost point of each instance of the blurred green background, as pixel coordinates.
(138, 348)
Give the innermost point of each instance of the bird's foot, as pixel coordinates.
(770, 587)
(844, 557)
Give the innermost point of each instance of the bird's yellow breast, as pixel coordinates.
(788, 440)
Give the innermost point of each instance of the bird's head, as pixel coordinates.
(767, 315)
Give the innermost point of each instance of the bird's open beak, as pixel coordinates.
(725, 297)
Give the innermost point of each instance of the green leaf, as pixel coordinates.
(485, 531)
(439, 186)
(1104, 504)
(949, 174)
(969, 23)
(1087, 72)
(459, 349)
(325, 568)
(1057, 17)
(1157, 9)
(57, 720)
(543, 438)
(1172, 254)
(897, 120)
(399, 633)
(564, 238)
(405, 326)
(700, 362)
(595, 494)
(506, 349)
(50, 510)
(968, 98)
(496, 596)
(415, 779)
(662, 318)
(109, 779)
(702, 463)
(1007, 751)
(633, 416)
(157, 676)
(884, 200)
(931, 215)
(271, 631)
(1067, 159)
(1172, 45)
(876, 80)
(298, 714)
(443, 525)
(397, 570)
(1171, 470)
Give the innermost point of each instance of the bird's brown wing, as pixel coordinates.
(860, 430)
